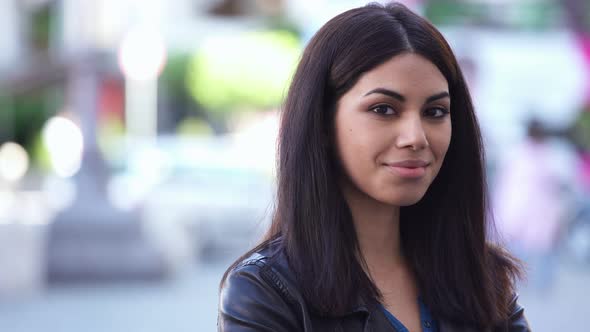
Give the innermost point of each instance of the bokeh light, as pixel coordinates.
(14, 161)
(142, 54)
(64, 142)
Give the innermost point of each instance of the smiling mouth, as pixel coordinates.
(410, 163)
(407, 171)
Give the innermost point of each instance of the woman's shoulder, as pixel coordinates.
(267, 263)
(266, 259)
(259, 292)
(517, 322)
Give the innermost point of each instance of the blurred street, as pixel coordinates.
(562, 307)
(189, 303)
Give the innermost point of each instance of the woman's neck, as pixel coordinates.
(377, 228)
(378, 231)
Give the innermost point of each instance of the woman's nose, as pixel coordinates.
(412, 134)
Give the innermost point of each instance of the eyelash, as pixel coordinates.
(442, 109)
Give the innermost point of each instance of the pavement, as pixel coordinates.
(189, 303)
(186, 303)
(562, 307)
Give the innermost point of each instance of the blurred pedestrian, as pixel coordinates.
(529, 202)
(380, 214)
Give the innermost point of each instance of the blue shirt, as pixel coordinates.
(428, 322)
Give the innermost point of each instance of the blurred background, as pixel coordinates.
(137, 146)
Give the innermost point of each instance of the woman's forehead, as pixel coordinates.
(406, 73)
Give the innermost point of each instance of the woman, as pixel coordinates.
(379, 221)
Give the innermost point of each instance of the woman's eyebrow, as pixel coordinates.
(400, 97)
(437, 96)
(387, 92)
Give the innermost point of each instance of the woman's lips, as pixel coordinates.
(408, 172)
(409, 168)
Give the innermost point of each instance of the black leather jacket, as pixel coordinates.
(260, 294)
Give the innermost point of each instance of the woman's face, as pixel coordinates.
(393, 129)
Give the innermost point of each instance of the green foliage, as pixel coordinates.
(524, 14)
(248, 70)
(193, 126)
(39, 154)
(449, 12)
(41, 22)
(27, 114)
(111, 132)
(174, 74)
(582, 129)
(22, 118)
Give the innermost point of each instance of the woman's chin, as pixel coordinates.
(405, 200)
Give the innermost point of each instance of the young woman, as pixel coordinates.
(380, 214)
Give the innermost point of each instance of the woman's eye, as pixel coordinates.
(383, 110)
(436, 112)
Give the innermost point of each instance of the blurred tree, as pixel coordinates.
(174, 75)
(29, 113)
(247, 7)
(524, 14)
(41, 22)
(450, 12)
(177, 110)
(193, 126)
(582, 130)
(243, 72)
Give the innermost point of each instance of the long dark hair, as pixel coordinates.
(460, 275)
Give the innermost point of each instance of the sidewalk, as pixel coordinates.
(189, 304)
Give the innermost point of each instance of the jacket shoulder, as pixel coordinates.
(517, 321)
(256, 296)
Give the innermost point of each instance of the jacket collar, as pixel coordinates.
(374, 319)
(277, 258)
